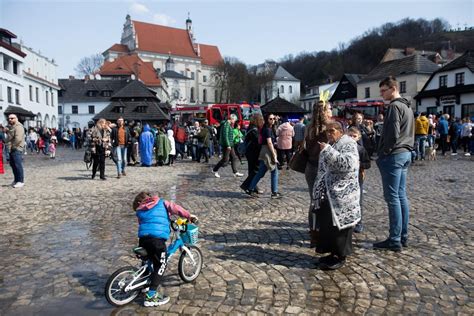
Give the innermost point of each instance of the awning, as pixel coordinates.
(18, 111)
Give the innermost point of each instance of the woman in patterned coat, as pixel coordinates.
(336, 196)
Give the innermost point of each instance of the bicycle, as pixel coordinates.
(125, 284)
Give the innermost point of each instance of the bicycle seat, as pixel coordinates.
(140, 251)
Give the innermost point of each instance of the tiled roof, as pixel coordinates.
(210, 55)
(169, 40)
(282, 74)
(466, 60)
(173, 75)
(281, 106)
(12, 49)
(119, 48)
(131, 64)
(445, 91)
(354, 78)
(134, 89)
(140, 110)
(408, 65)
(163, 39)
(76, 90)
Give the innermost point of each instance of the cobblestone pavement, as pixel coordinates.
(63, 234)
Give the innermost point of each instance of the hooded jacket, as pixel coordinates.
(398, 134)
(421, 126)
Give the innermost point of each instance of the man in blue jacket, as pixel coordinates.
(443, 129)
(394, 156)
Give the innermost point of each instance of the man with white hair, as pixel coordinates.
(226, 140)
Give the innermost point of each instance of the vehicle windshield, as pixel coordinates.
(248, 111)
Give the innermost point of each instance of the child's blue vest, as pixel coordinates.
(154, 222)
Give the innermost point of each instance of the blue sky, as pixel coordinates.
(252, 31)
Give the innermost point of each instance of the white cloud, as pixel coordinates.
(138, 8)
(163, 19)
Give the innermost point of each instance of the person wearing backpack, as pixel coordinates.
(252, 149)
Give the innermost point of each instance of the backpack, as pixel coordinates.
(88, 156)
(180, 135)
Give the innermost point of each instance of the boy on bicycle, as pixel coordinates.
(153, 216)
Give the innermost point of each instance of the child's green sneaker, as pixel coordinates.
(156, 300)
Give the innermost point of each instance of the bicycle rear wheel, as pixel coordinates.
(115, 287)
(189, 271)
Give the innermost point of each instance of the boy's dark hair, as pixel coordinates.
(390, 82)
(142, 196)
(354, 130)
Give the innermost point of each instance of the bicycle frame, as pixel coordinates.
(170, 251)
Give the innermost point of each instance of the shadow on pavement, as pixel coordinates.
(262, 236)
(93, 281)
(250, 253)
(220, 194)
(85, 177)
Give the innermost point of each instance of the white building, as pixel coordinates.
(81, 99)
(411, 72)
(40, 88)
(312, 95)
(28, 84)
(11, 79)
(154, 44)
(282, 84)
(450, 89)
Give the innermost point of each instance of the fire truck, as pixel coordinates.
(369, 108)
(215, 113)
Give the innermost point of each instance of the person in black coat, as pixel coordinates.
(252, 149)
(364, 161)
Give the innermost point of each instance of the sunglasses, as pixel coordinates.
(271, 118)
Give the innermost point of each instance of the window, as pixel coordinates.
(15, 67)
(9, 95)
(52, 98)
(31, 93)
(282, 89)
(47, 97)
(467, 110)
(91, 109)
(367, 92)
(204, 78)
(215, 95)
(432, 110)
(6, 63)
(91, 93)
(217, 115)
(290, 88)
(118, 109)
(192, 75)
(443, 81)
(140, 109)
(107, 93)
(204, 95)
(403, 87)
(192, 94)
(460, 79)
(60, 109)
(17, 96)
(37, 95)
(75, 109)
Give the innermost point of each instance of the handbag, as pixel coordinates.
(298, 161)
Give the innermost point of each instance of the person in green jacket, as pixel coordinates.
(238, 138)
(163, 147)
(226, 140)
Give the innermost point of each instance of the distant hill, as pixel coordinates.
(364, 52)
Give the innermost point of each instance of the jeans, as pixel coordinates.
(16, 163)
(32, 145)
(121, 152)
(393, 169)
(420, 146)
(228, 154)
(262, 169)
(454, 144)
(431, 140)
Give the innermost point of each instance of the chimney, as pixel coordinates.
(71, 78)
(409, 51)
(86, 78)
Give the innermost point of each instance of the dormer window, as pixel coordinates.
(119, 109)
(141, 109)
(91, 93)
(106, 93)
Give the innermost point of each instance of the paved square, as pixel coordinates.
(63, 234)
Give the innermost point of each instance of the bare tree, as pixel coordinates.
(89, 65)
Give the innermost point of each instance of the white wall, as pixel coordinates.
(83, 117)
(9, 79)
(468, 78)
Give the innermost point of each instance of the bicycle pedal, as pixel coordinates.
(145, 290)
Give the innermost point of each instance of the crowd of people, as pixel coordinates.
(336, 157)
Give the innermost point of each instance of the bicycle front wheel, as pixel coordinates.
(116, 284)
(189, 271)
